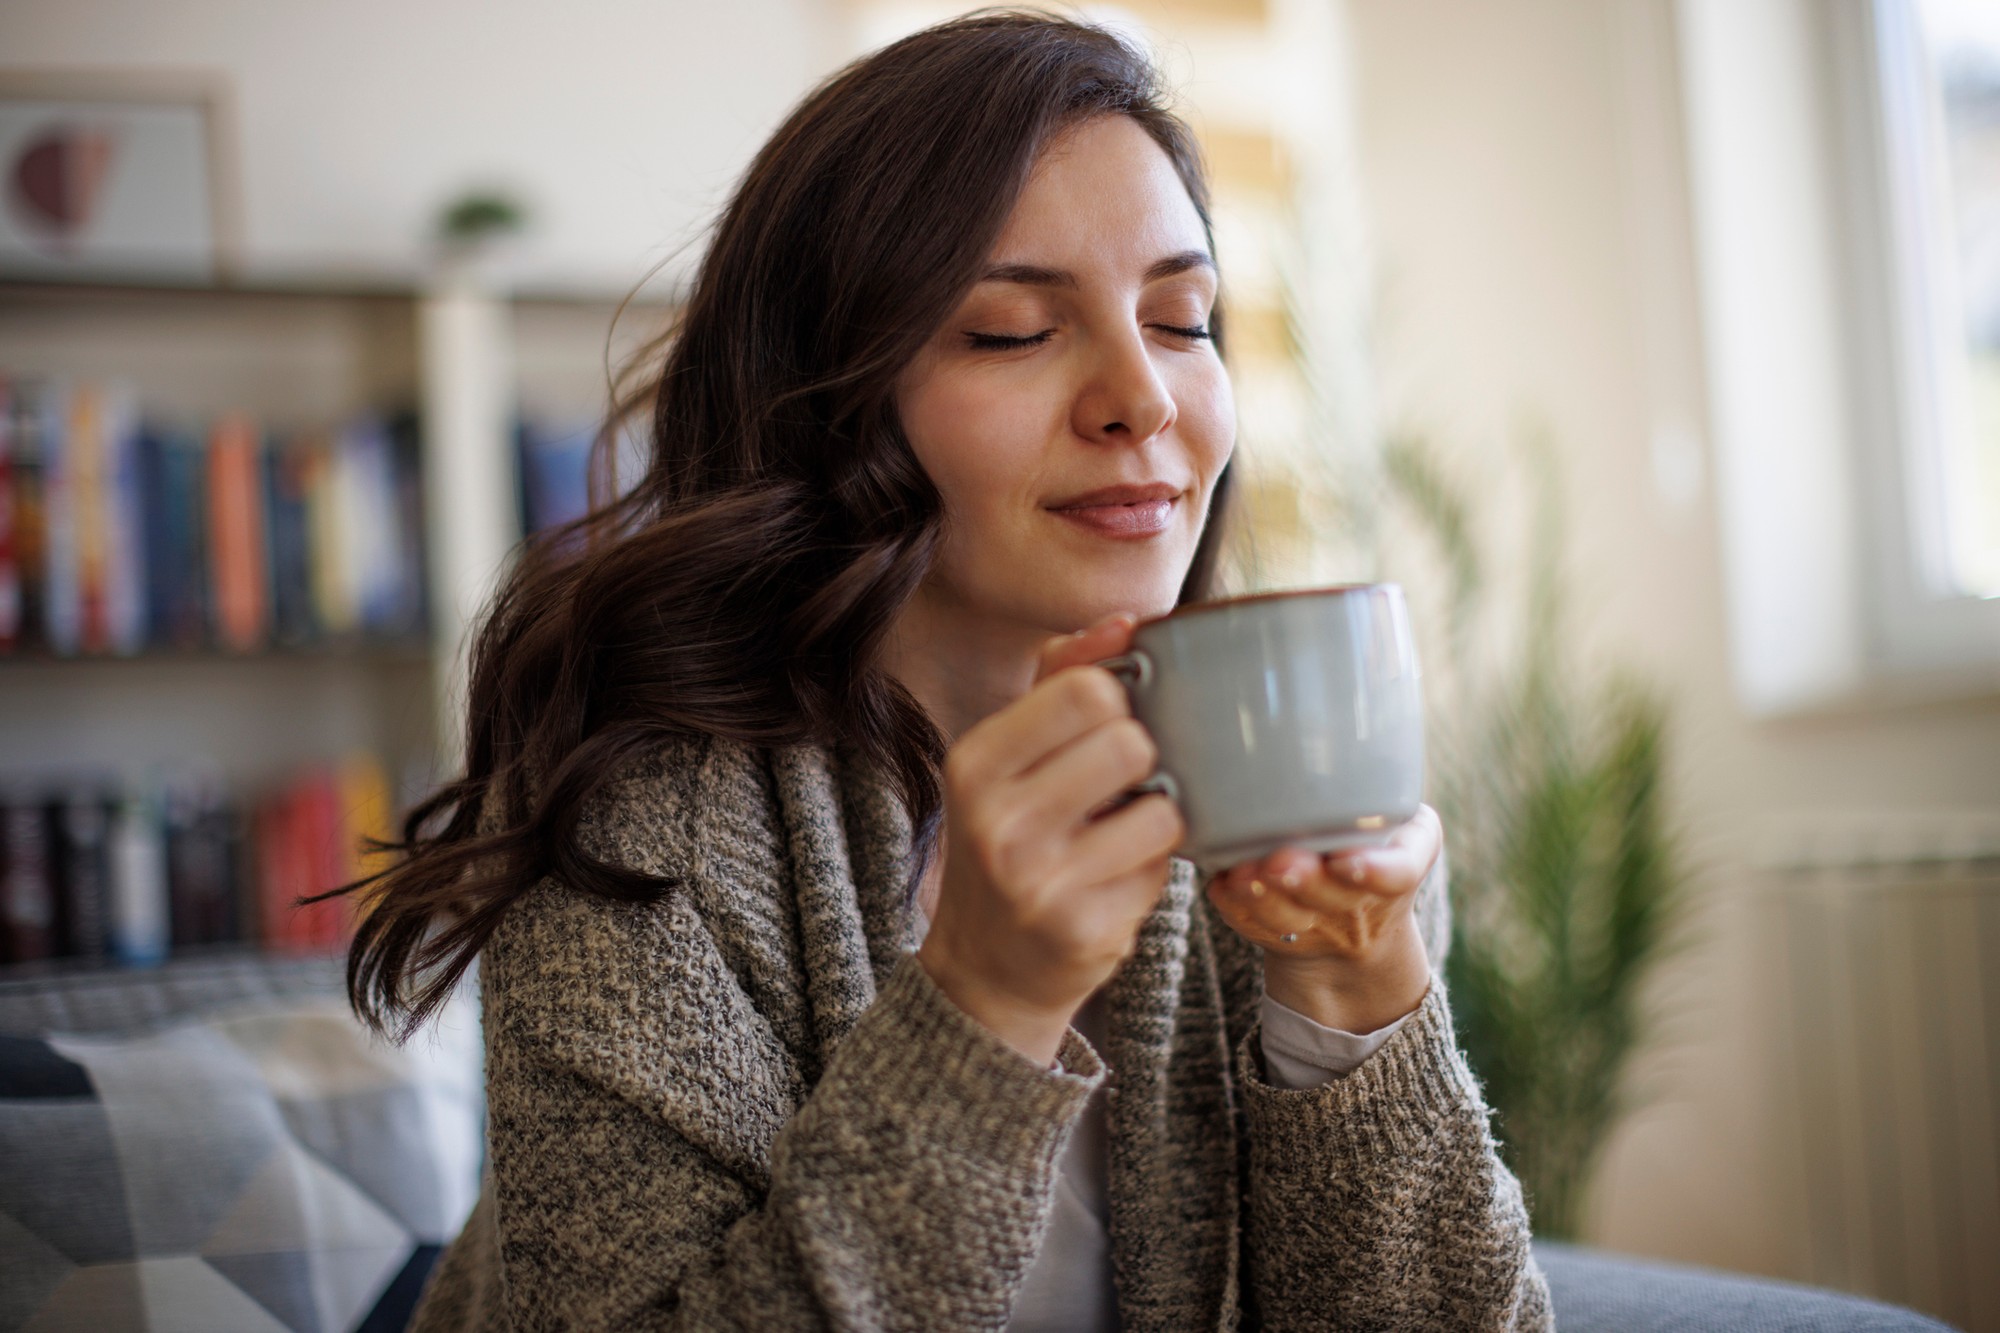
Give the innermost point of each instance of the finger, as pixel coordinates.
(1070, 782)
(1107, 638)
(1397, 865)
(1114, 845)
(1266, 916)
(1289, 866)
(1055, 712)
(1119, 905)
(1323, 893)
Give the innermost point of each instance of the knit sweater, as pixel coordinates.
(746, 1106)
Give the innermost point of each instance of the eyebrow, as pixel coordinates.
(1034, 275)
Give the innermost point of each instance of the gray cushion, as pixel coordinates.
(1599, 1292)
(67, 996)
(219, 1144)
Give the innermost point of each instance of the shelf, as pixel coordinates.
(386, 651)
(186, 958)
(321, 289)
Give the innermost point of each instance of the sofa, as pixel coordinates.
(217, 1144)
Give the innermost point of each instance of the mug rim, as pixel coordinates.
(1223, 603)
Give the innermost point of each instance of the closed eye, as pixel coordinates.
(1000, 342)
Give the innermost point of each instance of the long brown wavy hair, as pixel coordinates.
(744, 584)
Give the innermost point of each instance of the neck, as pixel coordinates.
(960, 665)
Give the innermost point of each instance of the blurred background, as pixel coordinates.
(1645, 341)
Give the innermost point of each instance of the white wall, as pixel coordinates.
(623, 122)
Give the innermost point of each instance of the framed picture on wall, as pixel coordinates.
(109, 176)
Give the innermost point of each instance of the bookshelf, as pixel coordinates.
(279, 717)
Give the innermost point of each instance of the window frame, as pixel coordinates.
(1815, 343)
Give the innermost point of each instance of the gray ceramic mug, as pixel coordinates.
(1288, 719)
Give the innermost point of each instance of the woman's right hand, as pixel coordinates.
(1042, 897)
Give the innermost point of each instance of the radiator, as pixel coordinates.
(1887, 972)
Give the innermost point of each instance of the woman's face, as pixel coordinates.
(1079, 363)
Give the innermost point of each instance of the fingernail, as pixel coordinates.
(1291, 879)
(1256, 888)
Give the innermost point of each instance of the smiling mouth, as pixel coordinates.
(1143, 518)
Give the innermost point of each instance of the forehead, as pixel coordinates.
(1103, 192)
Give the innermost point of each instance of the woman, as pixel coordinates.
(828, 983)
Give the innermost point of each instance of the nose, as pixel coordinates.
(1124, 400)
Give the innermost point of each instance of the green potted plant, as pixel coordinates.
(1568, 878)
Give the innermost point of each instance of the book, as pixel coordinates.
(300, 853)
(27, 894)
(366, 507)
(334, 602)
(172, 469)
(239, 575)
(79, 821)
(25, 505)
(289, 469)
(204, 847)
(322, 834)
(367, 815)
(124, 504)
(62, 578)
(554, 472)
(137, 920)
(405, 440)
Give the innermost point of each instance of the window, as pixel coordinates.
(1844, 168)
(1938, 76)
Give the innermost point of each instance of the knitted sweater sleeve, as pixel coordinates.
(1379, 1200)
(657, 1159)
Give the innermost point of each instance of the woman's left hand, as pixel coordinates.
(1338, 932)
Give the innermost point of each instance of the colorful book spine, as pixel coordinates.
(125, 594)
(204, 847)
(62, 596)
(373, 550)
(555, 474)
(25, 440)
(118, 533)
(288, 471)
(137, 925)
(240, 577)
(300, 854)
(368, 815)
(90, 484)
(172, 478)
(130, 873)
(80, 842)
(323, 831)
(334, 603)
(403, 433)
(27, 893)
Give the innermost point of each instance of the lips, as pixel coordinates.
(1120, 495)
(1122, 511)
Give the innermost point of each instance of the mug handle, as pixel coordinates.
(1135, 671)
(1134, 668)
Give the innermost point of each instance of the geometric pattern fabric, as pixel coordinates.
(265, 1167)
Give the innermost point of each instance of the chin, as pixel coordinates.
(1153, 600)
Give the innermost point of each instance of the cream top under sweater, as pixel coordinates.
(1068, 1288)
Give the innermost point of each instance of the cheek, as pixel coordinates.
(1207, 406)
(977, 437)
